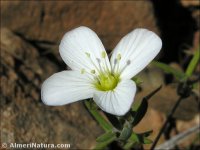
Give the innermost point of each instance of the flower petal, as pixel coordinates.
(137, 49)
(81, 49)
(119, 101)
(66, 87)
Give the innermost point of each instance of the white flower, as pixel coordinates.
(94, 76)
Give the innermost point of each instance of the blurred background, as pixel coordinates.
(30, 35)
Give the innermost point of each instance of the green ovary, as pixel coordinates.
(106, 82)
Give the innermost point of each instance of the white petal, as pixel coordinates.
(137, 50)
(77, 45)
(66, 87)
(119, 101)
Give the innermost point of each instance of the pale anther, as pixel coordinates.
(128, 62)
(98, 60)
(103, 54)
(88, 54)
(82, 71)
(119, 57)
(92, 71)
(115, 61)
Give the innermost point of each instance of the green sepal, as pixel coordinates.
(126, 132)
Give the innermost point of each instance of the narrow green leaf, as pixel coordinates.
(134, 137)
(193, 63)
(147, 141)
(114, 120)
(106, 136)
(136, 106)
(104, 144)
(129, 145)
(131, 141)
(139, 113)
(140, 138)
(143, 137)
(103, 123)
(168, 69)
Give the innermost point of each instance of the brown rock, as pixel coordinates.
(166, 98)
(153, 120)
(48, 21)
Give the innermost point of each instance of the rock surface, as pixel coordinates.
(48, 21)
(24, 117)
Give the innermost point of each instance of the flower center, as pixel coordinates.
(106, 82)
(104, 78)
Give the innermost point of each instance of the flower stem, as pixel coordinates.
(98, 117)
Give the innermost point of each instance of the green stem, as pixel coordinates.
(193, 63)
(98, 117)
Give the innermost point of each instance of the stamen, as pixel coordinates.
(127, 64)
(92, 71)
(103, 54)
(99, 61)
(90, 74)
(82, 71)
(115, 63)
(119, 57)
(87, 54)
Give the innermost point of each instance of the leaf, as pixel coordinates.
(136, 138)
(193, 63)
(140, 138)
(103, 123)
(129, 145)
(152, 93)
(114, 121)
(106, 136)
(136, 106)
(139, 113)
(168, 69)
(147, 141)
(104, 144)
